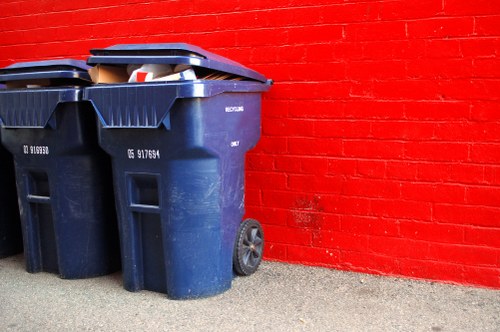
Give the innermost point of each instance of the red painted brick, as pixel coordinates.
(280, 234)
(369, 70)
(487, 196)
(373, 149)
(311, 255)
(439, 68)
(467, 215)
(393, 208)
(314, 147)
(432, 270)
(396, 10)
(266, 180)
(275, 251)
(315, 184)
(441, 27)
(432, 110)
(432, 232)
(342, 128)
(481, 236)
(376, 109)
(376, 31)
(460, 254)
(401, 170)
(485, 153)
(403, 130)
(368, 262)
(371, 168)
(436, 151)
(372, 188)
(341, 241)
(398, 247)
(478, 7)
(489, 277)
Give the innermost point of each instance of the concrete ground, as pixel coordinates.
(278, 297)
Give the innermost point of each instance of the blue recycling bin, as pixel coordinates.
(63, 177)
(10, 226)
(178, 154)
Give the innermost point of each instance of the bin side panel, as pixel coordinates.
(66, 196)
(10, 227)
(32, 108)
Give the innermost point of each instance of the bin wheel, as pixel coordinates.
(248, 247)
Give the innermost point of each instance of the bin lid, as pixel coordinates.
(48, 69)
(170, 53)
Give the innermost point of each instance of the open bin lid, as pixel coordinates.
(170, 53)
(75, 71)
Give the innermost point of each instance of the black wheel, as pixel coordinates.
(248, 247)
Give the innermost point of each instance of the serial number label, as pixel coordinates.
(35, 149)
(143, 154)
(234, 109)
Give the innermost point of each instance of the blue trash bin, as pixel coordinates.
(178, 153)
(63, 177)
(10, 225)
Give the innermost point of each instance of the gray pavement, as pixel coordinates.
(278, 297)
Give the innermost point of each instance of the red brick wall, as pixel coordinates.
(381, 136)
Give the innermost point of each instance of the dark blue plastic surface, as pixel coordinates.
(178, 152)
(10, 226)
(49, 69)
(174, 53)
(63, 180)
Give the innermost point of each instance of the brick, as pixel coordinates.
(257, 161)
(341, 241)
(395, 49)
(487, 196)
(373, 149)
(441, 27)
(414, 90)
(349, 12)
(363, 225)
(485, 153)
(287, 127)
(393, 208)
(295, 236)
(314, 147)
(482, 236)
(461, 254)
(436, 151)
(316, 184)
(401, 170)
(488, 26)
(466, 215)
(470, 174)
(432, 270)
(274, 145)
(466, 89)
(314, 34)
(398, 247)
(312, 256)
(347, 205)
(369, 70)
(403, 130)
(478, 7)
(375, 31)
(439, 68)
(432, 110)
(373, 109)
(396, 10)
(368, 262)
(483, 276)
(341, 128)
(443, 49)
(486, 68)
(474, 47)
(371, 168)
(267, 216)
(266, 180)
(425, 192)
(275, 251)
(433, 171)
(432, 232)
(253, 197)
(342, 166)
(316, 109)
(372, 188)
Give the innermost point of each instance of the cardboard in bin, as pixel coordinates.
(108, 74)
